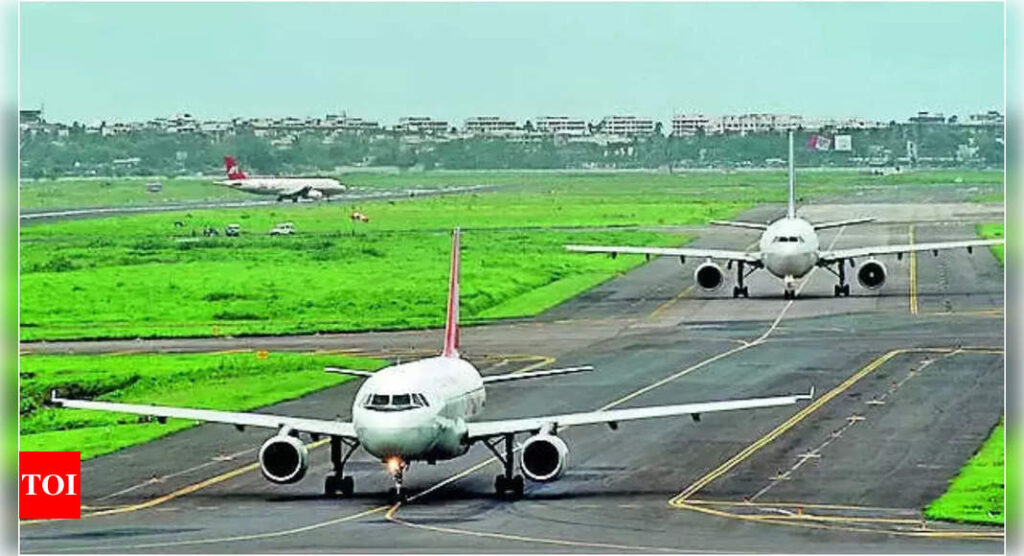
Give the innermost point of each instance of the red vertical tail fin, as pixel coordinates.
(451, 324)
(234, 172)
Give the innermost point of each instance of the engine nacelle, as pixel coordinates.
(709, 277)
(284, 459)
(871, 274)
(315, 194)
(544, 457)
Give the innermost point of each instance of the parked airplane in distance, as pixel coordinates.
(284, 188)
(424, 411)
(789, 249)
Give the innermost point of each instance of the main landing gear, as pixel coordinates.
(739, 289)
(842, 288)
(338, 482)
(506, 485)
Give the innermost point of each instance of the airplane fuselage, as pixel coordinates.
(789, 248)
(278, 186)
(442, 394)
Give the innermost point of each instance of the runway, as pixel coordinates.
(908, 382)
(32, 216)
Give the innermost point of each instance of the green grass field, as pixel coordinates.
(142, 275)
(120, 192)
(227, 381)
(977, 494)
(988, 231)
(751, 186)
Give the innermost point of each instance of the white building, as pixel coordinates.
(990, 118)
(490, 125)
(690, 124)
(627, 125)
(421, 124)
(561, 125)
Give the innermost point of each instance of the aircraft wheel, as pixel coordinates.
(331, 486)
(846, 290)
(501, 485)
(735, 291)
(745, 292)
(348, 485)
(518, 485)
(394, 497)
(837, 290)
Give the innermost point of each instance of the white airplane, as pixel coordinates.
(789, 249)
(284, 188)
(424, 411)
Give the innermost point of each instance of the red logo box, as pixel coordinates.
(49, 485)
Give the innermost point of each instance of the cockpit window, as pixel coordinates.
(396, 402)
(788, 239)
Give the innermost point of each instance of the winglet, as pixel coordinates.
(451, 324)
(807, 396)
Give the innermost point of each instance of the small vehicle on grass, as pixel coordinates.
(283, 229)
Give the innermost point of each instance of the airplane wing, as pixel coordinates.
(350, 372)
(753, 258)
(841, 223)
(735, 224)
(263, 420)
(834, 255)
(300, 191)
(486, 429)
(535, 374)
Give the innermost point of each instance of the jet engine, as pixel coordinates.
(284, 459)
(871, 274)
(544, 457)
(709, 276)
(315, 194)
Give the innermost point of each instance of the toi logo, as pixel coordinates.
(49, 485)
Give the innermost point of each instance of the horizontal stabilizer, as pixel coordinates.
(352, 372)
(750, 225)
(536, 374)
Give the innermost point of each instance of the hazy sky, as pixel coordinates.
(136, 61)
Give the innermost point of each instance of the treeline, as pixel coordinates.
(155, 153)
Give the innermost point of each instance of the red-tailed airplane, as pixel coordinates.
(284, 188)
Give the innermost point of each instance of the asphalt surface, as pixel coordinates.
(907, 387)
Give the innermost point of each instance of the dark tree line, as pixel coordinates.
(178, 154)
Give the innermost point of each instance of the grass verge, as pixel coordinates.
(989, 231)
(977, 494)
(227, 381)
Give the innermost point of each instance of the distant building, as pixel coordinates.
(690, 124)
(30, 116)
(990, 118)
(490, 125)
(627, 125)
(422, 125)
(560, 125)
(925, 117)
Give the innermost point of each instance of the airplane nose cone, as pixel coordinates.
(397, 437)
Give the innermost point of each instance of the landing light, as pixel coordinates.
(394, 465)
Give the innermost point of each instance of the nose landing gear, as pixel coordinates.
(397, 469)
(338, 482)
